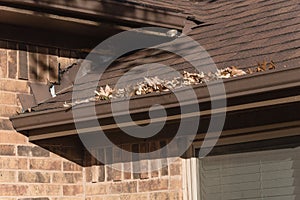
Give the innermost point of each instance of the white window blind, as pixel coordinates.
(269, 175)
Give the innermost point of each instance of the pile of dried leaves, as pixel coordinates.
(155, 84)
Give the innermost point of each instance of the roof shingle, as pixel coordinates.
(235, 33)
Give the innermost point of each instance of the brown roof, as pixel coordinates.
(235, 33)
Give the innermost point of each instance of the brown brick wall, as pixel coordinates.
(158, 187)
(28, 172)
(106, 182)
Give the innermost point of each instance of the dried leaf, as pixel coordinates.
(271, 65)
(259, 69)
(264, 66)
(249, 71)
(155, 84)
(237, 72)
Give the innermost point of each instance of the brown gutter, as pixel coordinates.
(242, 93)
(177, 117)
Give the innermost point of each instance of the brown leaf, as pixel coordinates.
(249, 71)
(264, 66)
(271, 65)
(259, 69)
(237, 72)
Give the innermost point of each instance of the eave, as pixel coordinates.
(111, 12)
(79, 24)
(260, 107)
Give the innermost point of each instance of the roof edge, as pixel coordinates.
(235, 88)
(116, 12)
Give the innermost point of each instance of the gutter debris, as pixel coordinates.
(157, 85)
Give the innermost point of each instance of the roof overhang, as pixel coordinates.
(260, 107)
(96, 20)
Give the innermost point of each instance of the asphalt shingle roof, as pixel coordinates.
(235, 33)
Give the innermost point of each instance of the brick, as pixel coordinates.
(144, 169)
(164, 171)
(7, 150)
(8, 111)
(112, 197)
(14, 86)
(33, 63)
(175, 195)
(95, 173)
(154, 167)
(96, 198)
(159, 196)
(43, 164)
(53, 68)
(3, 63)
(101, 177)
(164, 167)
(7, 198)
(12, 190)
(175, 168)
(129, 187)
(88, 174)
(69, 166)
(175, 184)
(72, 190)
(37, 198)
(154, 174)
(114, 188)
(109, 173)
(12, 63)
(23, 65)
(5, 124)
(32, 151)
(136, 169)
(163, 161)
(53, 155)
(40, 152)
(134, 196)
(95, 189)
(12, 137)
(13, 163)
(42, 190)
(24, 151)
(136, 175)
(127, 171)
(67, 178)
(8, 98)
(69, 198)
(34, 177)
(42, 67)
(126, 159)
(117, 174)
(7, 176)
(153, 185)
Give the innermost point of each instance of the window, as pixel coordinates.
(270, 175)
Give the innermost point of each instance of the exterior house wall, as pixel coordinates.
(113, 184)
(29, 172)
(26, 170)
